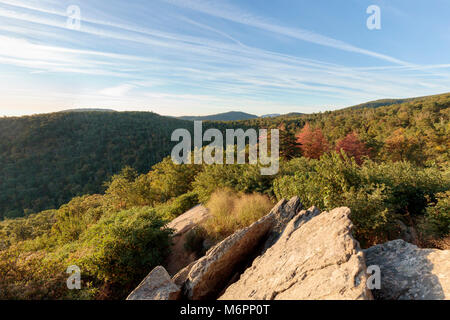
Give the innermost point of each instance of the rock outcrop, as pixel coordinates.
(211, 273)
(316, 257)
(179, 257)
(298, 255)
(410, 273)
(156, 286)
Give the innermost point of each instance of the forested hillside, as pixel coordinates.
(45, 160)
(417, 130)
(389, 165)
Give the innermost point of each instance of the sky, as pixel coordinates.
(198, 57)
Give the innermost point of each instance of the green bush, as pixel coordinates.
(377, 194)
(436, 223)
(73, 218)
(318, 182)
(373, 220)
(123, 247)
(177, 206)
(21, 229)
(410, 186)
(164, 182)
(170, 180)
(114, 255)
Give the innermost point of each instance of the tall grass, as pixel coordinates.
(231, 211)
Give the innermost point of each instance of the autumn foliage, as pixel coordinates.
(401, 146)
(353, 147)
(312, 142)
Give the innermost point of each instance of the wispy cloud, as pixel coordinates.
(194, 64)
(229, 12)
(117, 91)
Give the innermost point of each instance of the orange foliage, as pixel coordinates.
(353, 147)
(312, 142)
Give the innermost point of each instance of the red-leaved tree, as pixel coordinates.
(353, 147)
(312, 142)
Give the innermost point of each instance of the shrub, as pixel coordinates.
(372, 219)
(410, 186)
(170, 180)
(72, 219)
(377, 194)
(113, 253)
(436, 223)
(164, 182)
(21, 229)
(29, 277)
(121, 248)
(173, 208)
(318, 182)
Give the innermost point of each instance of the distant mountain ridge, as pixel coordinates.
(271, 115)
(88, 110)
(237, 115)
(227, 116)
(389, 102)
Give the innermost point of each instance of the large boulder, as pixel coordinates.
(211, 273)
(179, 257)
(316, 257)
(410, 273)
(156, 286)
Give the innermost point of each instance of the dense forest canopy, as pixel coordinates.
(416, 130)
(45, 160)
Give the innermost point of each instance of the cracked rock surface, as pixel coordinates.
(315, 257)
(210, 273)
(410, 273)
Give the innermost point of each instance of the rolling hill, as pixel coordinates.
(227, 116)
(389, 102)
(89, 110)
(45, 160)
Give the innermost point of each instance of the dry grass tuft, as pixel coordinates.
(231, 211)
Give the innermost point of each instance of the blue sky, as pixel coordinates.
(196, 57)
